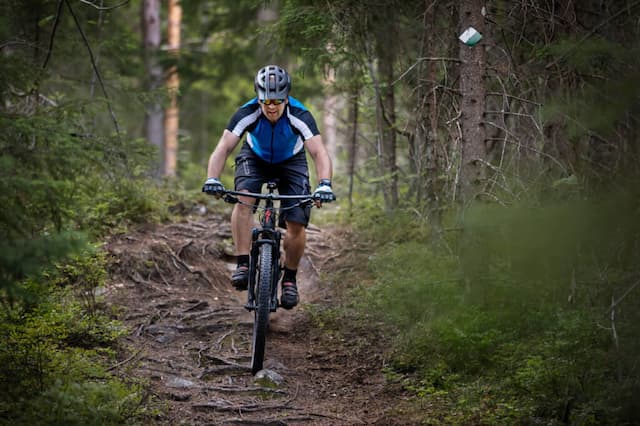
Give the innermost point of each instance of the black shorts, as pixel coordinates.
(293, 179)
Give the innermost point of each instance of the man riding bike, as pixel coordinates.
(279, 129)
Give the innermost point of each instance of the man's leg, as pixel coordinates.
(241, 224)
(294, 242)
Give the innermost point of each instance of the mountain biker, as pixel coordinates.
(279, 129)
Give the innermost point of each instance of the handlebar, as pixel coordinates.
(231, 197)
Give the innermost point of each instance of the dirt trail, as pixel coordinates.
(190, 335)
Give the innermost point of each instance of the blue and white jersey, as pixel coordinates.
(274, 142)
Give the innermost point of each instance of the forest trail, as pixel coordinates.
(190, 335)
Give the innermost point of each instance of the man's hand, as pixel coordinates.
(324, 193)
(214, 187)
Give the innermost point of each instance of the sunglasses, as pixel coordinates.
(272, 101)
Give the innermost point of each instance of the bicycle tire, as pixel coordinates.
(263, 301)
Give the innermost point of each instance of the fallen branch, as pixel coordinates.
(221, 338)
(242, 408)
(197, 225)
(197, 306)
(615, 303)
(224, 369)
(239, 389)
(123, 362)
(136, 278)
(177, 260)
(184, 246)
(221, 360)
(201, 328)
(313, 266)
(155, 264)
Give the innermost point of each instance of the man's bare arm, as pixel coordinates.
(318, 151)
(218, 158)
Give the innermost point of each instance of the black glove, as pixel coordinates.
(323, 192)
(213, 186)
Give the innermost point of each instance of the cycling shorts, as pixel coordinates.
(292, 175)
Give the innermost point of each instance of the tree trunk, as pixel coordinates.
(389, 133)
(267, 13)
(473, 170)
(427, 165)
(385, 111)
(353, 143)
(153, 121)
(172, 113)
(329, 118)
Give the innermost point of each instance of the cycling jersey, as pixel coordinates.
(274, 142)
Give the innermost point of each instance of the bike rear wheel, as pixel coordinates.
(263, 300)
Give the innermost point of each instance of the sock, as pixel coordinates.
(243, 259)
(289, 275)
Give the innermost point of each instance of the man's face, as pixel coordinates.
(273, 108)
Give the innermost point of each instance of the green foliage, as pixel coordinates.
(105, 403)
(113, 206)
(52, 353)
(601, 102)
(380, 227)
(54, 183)
(27, 258)
(311, 27)
(514, 324)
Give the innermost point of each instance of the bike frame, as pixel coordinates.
(267, 233)
(264, 261)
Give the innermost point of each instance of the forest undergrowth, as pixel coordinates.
(519, 314)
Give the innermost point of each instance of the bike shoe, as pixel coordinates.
(240, 278)
(289, 297)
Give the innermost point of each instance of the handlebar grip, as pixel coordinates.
(319, 198)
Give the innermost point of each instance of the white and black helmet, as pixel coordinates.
(272, 82)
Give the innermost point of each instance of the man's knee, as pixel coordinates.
(242, 211)
(294, 228)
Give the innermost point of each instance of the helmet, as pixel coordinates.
(272, 82)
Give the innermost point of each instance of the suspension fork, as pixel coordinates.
(259, 238)
(253, 269)
(266, 234)
(276, 270)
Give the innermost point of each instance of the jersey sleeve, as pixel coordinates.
(304, 123)
(244, 118)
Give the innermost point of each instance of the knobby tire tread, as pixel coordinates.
(263, 300)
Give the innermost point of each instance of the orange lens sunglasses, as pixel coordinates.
(272, 101)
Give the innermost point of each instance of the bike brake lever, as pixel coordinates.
(228, 198)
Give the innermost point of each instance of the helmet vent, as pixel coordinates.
(272, 82)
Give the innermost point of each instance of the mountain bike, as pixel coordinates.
(264, 262)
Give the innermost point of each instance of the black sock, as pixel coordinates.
(289, 275)
(243, 260)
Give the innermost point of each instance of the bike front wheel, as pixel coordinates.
(263, 300)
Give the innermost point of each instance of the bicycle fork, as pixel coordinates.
(274, 240)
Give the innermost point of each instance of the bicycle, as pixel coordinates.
(264, 262)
